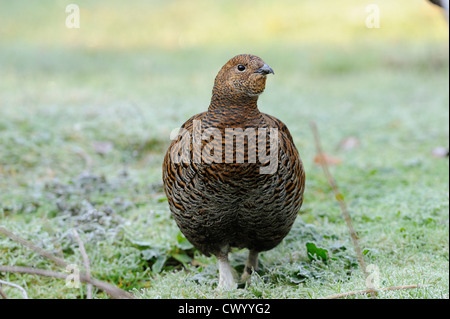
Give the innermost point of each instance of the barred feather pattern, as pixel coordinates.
(219, 204)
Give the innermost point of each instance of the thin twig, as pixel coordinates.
(340, 198)
(85, 262)
(110, 289)
(40, 251)
(24, 292)
(113, 291)
(369, 291)
(344, 209)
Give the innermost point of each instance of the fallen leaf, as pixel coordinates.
(440, 152)
(327, 158)
(349, 143)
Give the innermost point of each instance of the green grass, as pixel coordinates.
(132, 73)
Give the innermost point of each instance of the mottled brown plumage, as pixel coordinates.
(219, 202)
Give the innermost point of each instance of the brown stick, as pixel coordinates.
(110, 289)
(340, 198)
(368, 291)
(113, 291)
(40, 251)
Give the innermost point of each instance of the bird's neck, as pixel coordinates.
(244, 103)
(234, 111)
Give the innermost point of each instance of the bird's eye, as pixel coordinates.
(241, 67)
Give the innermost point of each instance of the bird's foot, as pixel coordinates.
(226, 278)
(246, 276)
(250, 267)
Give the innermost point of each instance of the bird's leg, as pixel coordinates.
(250, 266)
(226, 280)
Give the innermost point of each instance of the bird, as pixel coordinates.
(444, 4)
(232, 175)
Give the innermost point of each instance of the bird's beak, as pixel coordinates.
(265, 69)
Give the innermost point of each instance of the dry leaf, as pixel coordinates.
(327, 158)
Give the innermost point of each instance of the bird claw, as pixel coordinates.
(245, 278)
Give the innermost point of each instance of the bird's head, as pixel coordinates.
(241, 77)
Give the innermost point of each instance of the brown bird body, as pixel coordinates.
(225, 192)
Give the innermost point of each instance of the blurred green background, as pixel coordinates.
(101, 100)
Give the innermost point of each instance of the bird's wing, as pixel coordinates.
(289, 158)
(178, 175)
